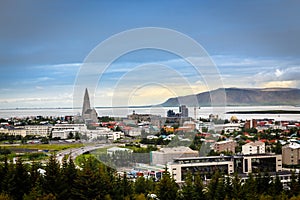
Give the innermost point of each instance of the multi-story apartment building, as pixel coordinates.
(228, 146)
(256, 147)
(291, 154)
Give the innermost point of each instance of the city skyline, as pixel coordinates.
(43, 45)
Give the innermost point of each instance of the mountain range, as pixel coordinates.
(239, 97)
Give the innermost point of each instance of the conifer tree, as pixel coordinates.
(167, 187)
(188, 190)
(198, 187)
(52, 180)
(18, 181)
(68, 174)
(140, 186)
(87, 182)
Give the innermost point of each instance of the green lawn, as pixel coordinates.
(50, 147)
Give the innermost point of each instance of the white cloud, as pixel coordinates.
(284, 84)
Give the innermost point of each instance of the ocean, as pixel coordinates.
(197, 112)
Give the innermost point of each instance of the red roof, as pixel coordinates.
(263, 140)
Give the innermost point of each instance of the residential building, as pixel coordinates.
(291, 154)
(222, 146)
(256, 147)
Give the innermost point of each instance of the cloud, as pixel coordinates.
(279, 77)
(284, 84)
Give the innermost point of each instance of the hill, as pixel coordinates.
(240, 97)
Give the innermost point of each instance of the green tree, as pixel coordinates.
(140, 186)
(167, 187)
(295, 187)
(188, 189)
(18, 182)
(250, 188)
(198, 187)
(213, 185)
(68, 174)
(52, 181)
(87, 184)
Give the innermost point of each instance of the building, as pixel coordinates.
(291, 154)
(250, 124)
(38, 130)
(257, 163)
(166, 155)
(225, 146)
(103, 133)
(256, 147)
(113, 150)
(89, 115)
(62, 131)
(184, 111)
(207, 166)
(13, 131)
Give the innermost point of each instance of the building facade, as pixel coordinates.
(256, 147)
(225, 146)
(166, 155)
(291, 154)
(207, 166)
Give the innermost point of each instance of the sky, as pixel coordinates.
(44, 45)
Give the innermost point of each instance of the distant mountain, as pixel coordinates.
(240, 97)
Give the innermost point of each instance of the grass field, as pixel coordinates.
(50, 147)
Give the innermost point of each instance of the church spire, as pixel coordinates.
(86, 102)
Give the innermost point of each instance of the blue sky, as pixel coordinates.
(44, 43)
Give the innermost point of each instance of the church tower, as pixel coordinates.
(89, 115)
(86, 102)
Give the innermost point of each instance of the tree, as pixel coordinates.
(87, 184)
(295, 187)
(70, 135)
(18, 181)
(69, 174)
(52, 180)
(250, 188)
(277, 187)
(140, 185)
(167, 188)
(198, 187)
(188, 189)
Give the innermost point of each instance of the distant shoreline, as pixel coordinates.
(265, 112)
(149, 106)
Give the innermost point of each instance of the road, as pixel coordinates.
(78, 151)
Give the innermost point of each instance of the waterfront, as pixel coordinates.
(202, 112)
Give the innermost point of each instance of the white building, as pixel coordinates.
(38, 130)
(165, 155)
(256, 147)
(63, 130)
(13, 131)
(103, 133)
(204, 165)
(113, 150)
